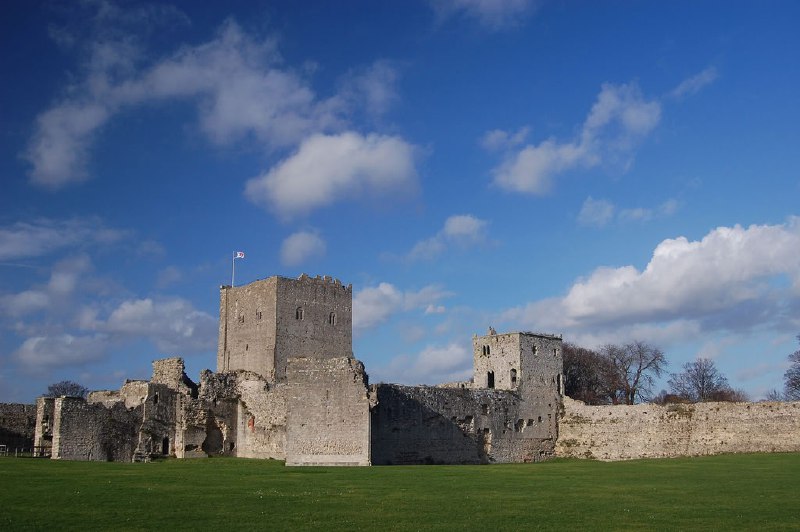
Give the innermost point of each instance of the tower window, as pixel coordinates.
(332, 318)
(298, 314)
(490, 379)
(513, 378)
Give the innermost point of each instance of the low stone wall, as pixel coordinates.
(86, 431)
(17, 425)
(623, 432)
(432, 425)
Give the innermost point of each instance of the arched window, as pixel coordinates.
(513, 378)
(332, 318)
(490, 379)
(298, 314)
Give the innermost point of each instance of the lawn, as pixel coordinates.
(730, 492)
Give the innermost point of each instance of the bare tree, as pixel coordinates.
(774, 395)
(586, 375)
(68, 388)
(700, 381)
(634, 367)
(791, 379)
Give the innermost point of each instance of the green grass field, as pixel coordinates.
(731, 492)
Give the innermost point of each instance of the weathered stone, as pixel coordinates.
(623, 432)
(287, 387)
(17, 425)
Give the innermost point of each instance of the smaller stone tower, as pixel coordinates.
(521, 361)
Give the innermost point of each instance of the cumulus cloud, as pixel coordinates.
(433, 365)
(695, 83)
(55, 295)
(55, 351)
(462, 230)
(172, 324)
(599, 213)
(327, 168)
(618, 121)
(301, 246)
(44, 236)
(498, 139)
(374, 305)
(596, 212)
(373, 88)
(733, 278)
(492, 14)
(237, 81)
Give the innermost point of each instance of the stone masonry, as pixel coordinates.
(287, 387)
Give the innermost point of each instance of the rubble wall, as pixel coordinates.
(17, 425)
(327, 418)
(624, 432)
(86, 431)
(431, 425)
(45, 414)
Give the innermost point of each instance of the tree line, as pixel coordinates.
(626, 374)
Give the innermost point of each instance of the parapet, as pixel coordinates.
(325, 279)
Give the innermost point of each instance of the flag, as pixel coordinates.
(239, 255)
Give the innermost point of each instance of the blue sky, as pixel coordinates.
(609, 171)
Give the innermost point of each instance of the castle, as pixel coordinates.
(287, 387)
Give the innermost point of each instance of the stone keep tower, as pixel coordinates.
(521, 361)
(266, 322)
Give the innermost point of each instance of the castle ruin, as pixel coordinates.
(288, 387)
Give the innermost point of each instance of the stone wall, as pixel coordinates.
(314, 320)
(247, 317)
(86, 431)
(45, 415)
(17, 425)
(432, 425)
(327, 418)
(651, 431)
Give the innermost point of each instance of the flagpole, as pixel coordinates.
(233, 268)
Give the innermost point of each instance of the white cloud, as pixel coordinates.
(461, 230)
(498, 139)
(374, 305)
(373, 88)
(44, 236)
(600, 212)
(733, 278)
(41, 353)
(64, 278)
(172, 324)
(235, 80)
(493, 14)
(619, 119)
(301, 246)
(596, 212)
(328, 168)
(695, 83)
(435, 309)
(433, 365)
(23, 303)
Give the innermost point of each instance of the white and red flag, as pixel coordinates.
(236, 255)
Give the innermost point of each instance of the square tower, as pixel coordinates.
(266, 322)
(521, 361)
